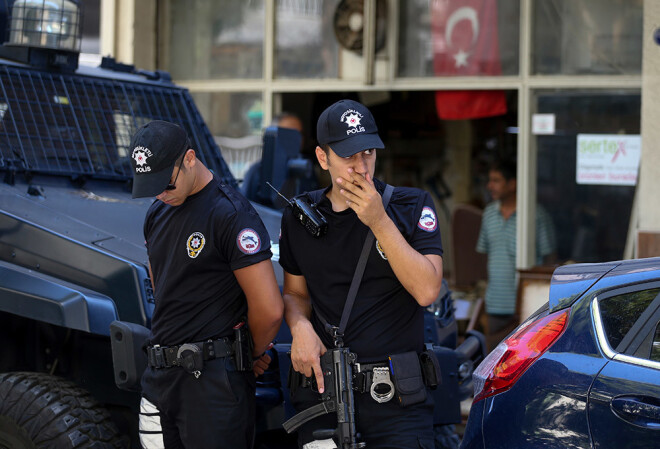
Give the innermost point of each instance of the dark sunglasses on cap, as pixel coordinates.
(172, 185)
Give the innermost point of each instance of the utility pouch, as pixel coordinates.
(430, 369)
(242, 347)
(408, 382)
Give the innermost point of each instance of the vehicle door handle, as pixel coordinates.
(641, 411)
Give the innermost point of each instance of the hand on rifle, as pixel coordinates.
(306, 350)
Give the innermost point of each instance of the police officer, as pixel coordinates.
(402, 276)
(209, 256)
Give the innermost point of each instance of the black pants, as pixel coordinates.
(216, 410)
(381, 426)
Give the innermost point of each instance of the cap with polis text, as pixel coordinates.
(155, 147)
(348, 127)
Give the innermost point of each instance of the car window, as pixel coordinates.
(619, 313)
(655, 347)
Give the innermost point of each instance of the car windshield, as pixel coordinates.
(75, 125)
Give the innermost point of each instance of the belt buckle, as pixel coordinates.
(381, 376)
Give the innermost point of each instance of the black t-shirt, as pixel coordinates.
(385, 318)
(193, 250)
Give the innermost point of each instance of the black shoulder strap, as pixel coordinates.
(337, 333)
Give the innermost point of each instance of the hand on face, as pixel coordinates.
(361, 196)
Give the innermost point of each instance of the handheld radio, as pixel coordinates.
(304, 209)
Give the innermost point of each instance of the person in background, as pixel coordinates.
(292, 121)
(497, 239)
(289, 121)
(209, 263)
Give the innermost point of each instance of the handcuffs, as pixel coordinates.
(381, 376)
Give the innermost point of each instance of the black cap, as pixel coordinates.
(155, 147)
(348, 127)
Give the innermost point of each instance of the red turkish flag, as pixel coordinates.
(465, 43)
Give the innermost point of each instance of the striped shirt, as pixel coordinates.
(497, 238)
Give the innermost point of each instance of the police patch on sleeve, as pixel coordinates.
(248, 241)
(427, 221)
(195, 244)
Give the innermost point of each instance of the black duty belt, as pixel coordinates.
(168, 356)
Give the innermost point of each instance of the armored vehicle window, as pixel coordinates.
(68, 124)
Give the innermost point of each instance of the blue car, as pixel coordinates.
(581, 372)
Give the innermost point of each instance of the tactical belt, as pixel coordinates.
(362, 377)
(168, 356)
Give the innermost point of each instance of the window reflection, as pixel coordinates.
(233, 114)
(619, 313)
(587, 36)
(215, 39)
(437, 34)
(655, 349)
(305, 43)
(591, 220)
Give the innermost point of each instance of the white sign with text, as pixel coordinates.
(608, 159)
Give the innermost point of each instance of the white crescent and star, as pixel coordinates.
(463, 13)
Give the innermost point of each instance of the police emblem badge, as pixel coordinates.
(195, 244)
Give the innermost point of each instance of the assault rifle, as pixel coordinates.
(337, 366)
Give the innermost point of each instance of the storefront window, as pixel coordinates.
(305, 42)
(231, 114)
(90, 28)
(458, 38)
(587, 37)
(215, 39)
(589, 203)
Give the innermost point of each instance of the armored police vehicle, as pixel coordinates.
(72, 255)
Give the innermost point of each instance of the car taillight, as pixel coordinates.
(504, 366)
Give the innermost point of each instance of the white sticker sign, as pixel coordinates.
(608, 159)
(543, 124)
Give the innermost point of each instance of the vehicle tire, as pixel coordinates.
(446, 437)
(42, 411)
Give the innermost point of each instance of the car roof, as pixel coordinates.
(570, 282)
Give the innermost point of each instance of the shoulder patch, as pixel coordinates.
(427, 221)
(195, 244)
(248, 241)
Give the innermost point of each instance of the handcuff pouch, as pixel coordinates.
(191, 357)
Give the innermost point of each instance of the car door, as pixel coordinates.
(624, 400)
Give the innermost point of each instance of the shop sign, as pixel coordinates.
(608, 159)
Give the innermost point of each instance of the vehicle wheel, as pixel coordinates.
(38, 410)
(13, 436)
(445, 437)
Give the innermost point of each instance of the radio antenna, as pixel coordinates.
(278, 192)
